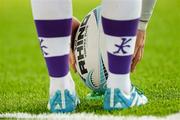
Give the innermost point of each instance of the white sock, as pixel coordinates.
(53, 19)
(62, 84)
(120, 21)
(122, 82)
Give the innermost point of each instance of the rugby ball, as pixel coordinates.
(90, 55)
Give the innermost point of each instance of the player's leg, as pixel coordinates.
(53, 19)
(120, 20)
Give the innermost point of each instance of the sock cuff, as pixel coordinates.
(121, 9)
(51, 9)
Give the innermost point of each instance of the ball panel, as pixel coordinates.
(90, 61)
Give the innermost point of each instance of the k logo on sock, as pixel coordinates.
(123, 45)
(43, 47)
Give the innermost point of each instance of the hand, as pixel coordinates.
(139, 49)
(75, 26)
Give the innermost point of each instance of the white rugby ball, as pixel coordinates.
(89, 49)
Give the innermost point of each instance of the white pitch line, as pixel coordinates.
(85, 116)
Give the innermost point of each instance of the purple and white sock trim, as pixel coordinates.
(53, 19)
(120, 28)
(58, 66)
(120, 20)
(55, 41)
(53, 28)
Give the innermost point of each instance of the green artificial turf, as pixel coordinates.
(24, 81)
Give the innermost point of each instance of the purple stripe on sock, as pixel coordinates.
(120, 28)
(58, 66)
(53, 28)
(119, 64)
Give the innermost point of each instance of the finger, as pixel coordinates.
(142, 53)
(142, 50)
(133, 67)
(74, 67)
(138, 56)
(136, 60)
(74, 64)
(132, 64)
(136, 48)
(72, 60)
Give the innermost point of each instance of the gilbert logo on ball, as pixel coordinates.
(91, 62)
